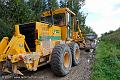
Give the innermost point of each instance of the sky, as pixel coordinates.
(103, 15)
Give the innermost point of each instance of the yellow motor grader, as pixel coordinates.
(55, 40)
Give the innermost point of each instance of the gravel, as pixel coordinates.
(80, 72)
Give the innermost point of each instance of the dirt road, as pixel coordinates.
(80, 72)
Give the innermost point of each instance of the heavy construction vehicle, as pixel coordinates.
(91, 42)
(56, 39)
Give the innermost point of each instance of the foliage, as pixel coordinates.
(52, 4)
(75, 5)
(107, 64)
(13, 12)
(5, 29)
(24, 11)
(112, 37)
(87, 29)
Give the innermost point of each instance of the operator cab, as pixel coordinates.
(57, 20)
(62, 17)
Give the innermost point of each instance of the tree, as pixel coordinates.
(87, 30)
(74, 5)
(5, 30)
(14, 12)
(52, 4)
(23, 11)
(37, 7)
(63, 3)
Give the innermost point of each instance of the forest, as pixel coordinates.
(25, 11)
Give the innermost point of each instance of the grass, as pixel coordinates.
(107, 63)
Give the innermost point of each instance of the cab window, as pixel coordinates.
(57, 19)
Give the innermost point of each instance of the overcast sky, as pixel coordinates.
(103, 15)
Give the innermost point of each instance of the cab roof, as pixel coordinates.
(58, 11)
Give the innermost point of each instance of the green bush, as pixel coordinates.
(5, 29)
(107, 64)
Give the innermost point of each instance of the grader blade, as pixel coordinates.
(6, 70)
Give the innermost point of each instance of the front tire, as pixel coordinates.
(61, 60)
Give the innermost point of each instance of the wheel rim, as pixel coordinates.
(77, 54)
(66, 60)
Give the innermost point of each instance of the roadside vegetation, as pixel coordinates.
(107, 59)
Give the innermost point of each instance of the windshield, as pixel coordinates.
(57, 19)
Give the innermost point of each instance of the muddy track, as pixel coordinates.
(80, 72)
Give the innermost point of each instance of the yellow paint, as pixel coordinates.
(75, 35)
(17, 31)
(64, 33)
(58, 11)
(46, 30)
(3, 45)
(48, 37)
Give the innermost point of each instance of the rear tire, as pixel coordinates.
(61, 60)
(75, 51)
